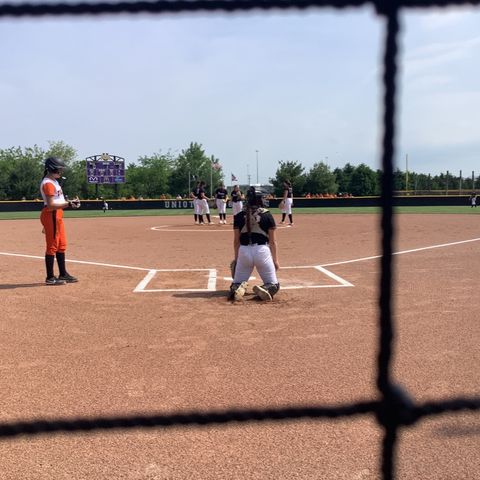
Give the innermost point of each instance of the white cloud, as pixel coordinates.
(440, 55)
(440, 120)
(448, 17)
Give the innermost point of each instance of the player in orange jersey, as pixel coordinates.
(52, 220)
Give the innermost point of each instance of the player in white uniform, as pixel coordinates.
(221, 198)
(196, 205)
(287, 202)
(237, 200)
(473, 199)
(203, 202)
(255, 246)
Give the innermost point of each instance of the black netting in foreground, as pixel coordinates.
(395, 408)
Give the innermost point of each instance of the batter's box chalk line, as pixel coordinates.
(211, 280)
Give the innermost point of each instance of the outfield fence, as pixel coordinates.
(395, 409)
(300, 202)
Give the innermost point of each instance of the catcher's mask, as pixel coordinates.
(255, 198)
(54, 165)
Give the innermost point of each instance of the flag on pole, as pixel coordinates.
(216, 165)
(234, 178)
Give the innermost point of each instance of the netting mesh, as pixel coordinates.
(395, 408)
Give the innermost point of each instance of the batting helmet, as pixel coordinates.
(54, 164)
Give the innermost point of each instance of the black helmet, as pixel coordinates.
(54, 164)
(255, 197)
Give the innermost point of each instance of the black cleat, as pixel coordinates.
(262, 293)
(54, 281)
(68, 278)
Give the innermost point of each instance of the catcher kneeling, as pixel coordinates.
(255, 246)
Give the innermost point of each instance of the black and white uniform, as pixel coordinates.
(254, 251)
(203, 202)
(237, 203)
(220, 199)
(287, 208)
(196, 204)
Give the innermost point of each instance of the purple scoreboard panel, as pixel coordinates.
(105, 169)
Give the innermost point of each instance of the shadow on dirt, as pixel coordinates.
(11, 286)
(458, 430)
(217, 294)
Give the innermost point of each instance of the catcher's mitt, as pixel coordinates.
(233, 265)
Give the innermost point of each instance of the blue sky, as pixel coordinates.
(295, 86)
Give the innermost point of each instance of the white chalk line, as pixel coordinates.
(342, 282)
(146, 280)
(403, 252)
(213, 275)
(83, 262)
(211, 283)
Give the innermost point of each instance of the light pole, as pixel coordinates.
(406, 173)
(211, 176)
(256, 152)
(248, 174)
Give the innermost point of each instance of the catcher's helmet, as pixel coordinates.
(255, 198)
(54, 164)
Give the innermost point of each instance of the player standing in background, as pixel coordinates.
(287, 201)
(221, 198)
(237, 200)
(196, 204)
(255, 246)
(52, 221)
(473, 200)
(203, 201)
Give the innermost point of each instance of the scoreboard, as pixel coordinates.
(105, 169)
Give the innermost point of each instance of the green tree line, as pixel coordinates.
(362, 180)
(167, 175)
(154, 176)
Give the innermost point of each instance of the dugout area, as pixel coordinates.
(98, 348)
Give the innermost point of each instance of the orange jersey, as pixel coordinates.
(52, 220)
(51, 188)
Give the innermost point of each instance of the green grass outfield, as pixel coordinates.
(319, 210)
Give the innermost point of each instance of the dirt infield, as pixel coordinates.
(148, 330)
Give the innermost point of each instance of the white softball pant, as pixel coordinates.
(196, 207)
(258, 256)
(237, 207)
(221, 205)
(288, 206)
(204, 208)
